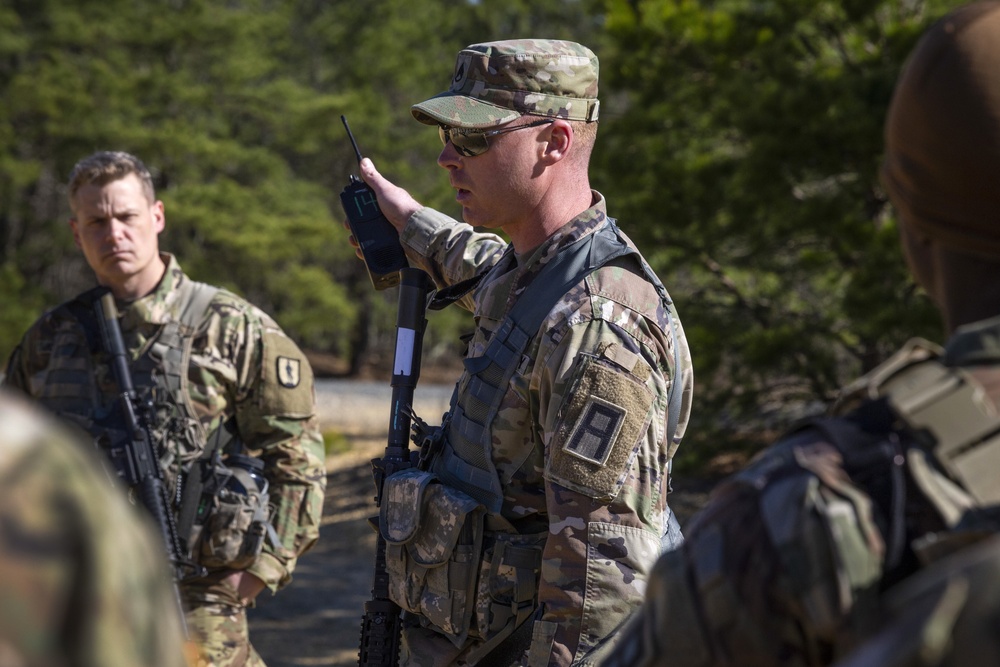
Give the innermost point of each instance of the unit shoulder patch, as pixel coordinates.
(287, 382)
(602, 421)
(596, 430)
(289, 372)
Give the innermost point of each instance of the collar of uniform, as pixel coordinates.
(976, 343)
(582, 225)
(157, 306)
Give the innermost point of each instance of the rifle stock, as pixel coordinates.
(140, 467)
(381, 625)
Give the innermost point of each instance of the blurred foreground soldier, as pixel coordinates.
(798, 558)
(83, 580)
(947, 615)
(232, 411)
(544, 494)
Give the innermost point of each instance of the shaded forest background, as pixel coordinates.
(739, 147)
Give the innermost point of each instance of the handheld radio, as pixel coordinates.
(376, 236)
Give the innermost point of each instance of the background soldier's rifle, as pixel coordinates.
(134, 459)
(380, 628)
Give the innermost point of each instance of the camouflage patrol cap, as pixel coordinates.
(496, 82)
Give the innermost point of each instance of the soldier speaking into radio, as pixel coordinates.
(527, 533)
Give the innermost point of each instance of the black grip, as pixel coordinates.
(380, 633)
(381, 626)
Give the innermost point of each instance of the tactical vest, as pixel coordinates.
(85, 393)
(221, 507)
(464, 461)
(914, 418)
(919, 442)
(462, 471)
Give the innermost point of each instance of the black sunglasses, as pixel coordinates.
(470, 143)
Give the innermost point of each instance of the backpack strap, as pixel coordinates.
(937, 422)
(199, 296)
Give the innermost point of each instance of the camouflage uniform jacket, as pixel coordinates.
(607, 338)
(789, 562)
(233, 372)
(82, 577)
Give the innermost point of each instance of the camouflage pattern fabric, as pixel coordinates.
(789, 562)
(242, 365)
(218, 619)
(83, 580)
(496, 82)
(603, 530)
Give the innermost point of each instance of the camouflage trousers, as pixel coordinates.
(217, 623)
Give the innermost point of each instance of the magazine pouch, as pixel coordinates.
(434, 539)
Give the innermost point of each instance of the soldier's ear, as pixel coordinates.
(159, 219)
(76, 232)
(560, 138)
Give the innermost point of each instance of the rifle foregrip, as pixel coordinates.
(380, 632)
(151, 495)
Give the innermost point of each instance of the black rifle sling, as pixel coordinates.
(490, 373)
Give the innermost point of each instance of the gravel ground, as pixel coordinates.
(316, 620)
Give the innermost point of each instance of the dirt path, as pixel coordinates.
(316, 620)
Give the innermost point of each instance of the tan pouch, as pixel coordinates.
(434, 537)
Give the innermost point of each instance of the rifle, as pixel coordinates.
(380, 627)
(135, 460)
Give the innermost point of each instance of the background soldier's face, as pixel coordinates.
(117, 228)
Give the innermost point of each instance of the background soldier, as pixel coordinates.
(224, 381)
(82, 575)
(790, 561)
(563, 437)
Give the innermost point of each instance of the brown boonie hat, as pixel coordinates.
(496, 82)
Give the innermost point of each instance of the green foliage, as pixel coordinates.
(21, 306)
(236, 106)
(745, 157)
(335, 442)
(740, 145)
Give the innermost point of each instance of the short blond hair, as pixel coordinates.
(585, 134)
(104, 167)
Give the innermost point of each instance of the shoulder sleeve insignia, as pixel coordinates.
(602, 422)
(286, 382)
(289, 372)
(596, 430)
